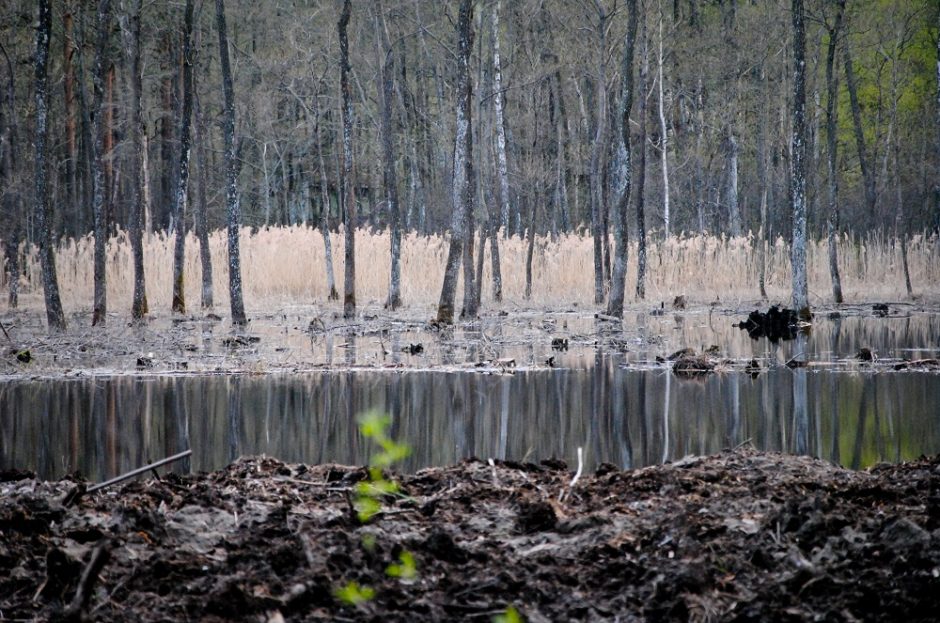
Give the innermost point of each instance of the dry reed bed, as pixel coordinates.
(285, 266)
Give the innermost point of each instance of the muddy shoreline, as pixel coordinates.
(742, 535)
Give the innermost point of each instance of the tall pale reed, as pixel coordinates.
(285, 266)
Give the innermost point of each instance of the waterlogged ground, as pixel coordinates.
(740, 536)
(648, 531)
(303, 339)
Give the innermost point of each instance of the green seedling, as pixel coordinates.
(369, 493)
(510, 616)
(406, 570)
(354, 595)
(368, 503)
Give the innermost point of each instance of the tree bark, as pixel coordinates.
(868, 175)
(618, 282)
(130, 22)
(832, 125)
(798, 171)
(231, 172)
(640, 192)
(201, 136)
(502, 165)
(332, 294)
(182, 182)
(386, 60)
(461, 189)
(348, 180)
(764, 174)
(663, 134)
(936, 188)
(54, 314)
(12, 195)
(734, 212)
(598, 164)
(100, 307)
(68, 83)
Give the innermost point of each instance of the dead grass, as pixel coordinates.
(285, 266)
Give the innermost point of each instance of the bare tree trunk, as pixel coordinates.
(502, 165)
(936, 188)
(663, 133)
(598, 151)
(386, 60)
(110, 180)
(182, 182)
(764, 174)
(832, 125)
(471, 301)
(98, 174)
(462, 188)
(348, 180)
(54, 314)
(734, 212)
(798, 166)
(530, 242)
(12, 195)
(131, 28)
(868, 175)
(202, 204)
(640, 192)
(71, 144)
(618, 283)
(231, 172)
(332, 294)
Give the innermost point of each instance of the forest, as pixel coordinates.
(128, 127)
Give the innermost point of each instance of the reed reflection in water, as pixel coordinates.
(631, 418)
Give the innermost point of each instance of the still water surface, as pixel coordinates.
(617, 411)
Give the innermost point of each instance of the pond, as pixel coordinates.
(619, 406)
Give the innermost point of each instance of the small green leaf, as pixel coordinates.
(407, 570)
(511, 616)
(366, 508)
(354, 595)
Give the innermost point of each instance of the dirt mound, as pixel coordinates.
(741, 536)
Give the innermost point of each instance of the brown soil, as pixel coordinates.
(743, 536)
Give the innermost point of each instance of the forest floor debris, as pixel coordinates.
(742, 535)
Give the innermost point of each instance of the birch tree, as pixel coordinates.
(501, 162)
(231, 172)
(640, 192)
(598, 151)
(182, 181)
(798, 164)
(663, 135)
(461, 188)
(386, 60)
(618, 283)
(332, 294)
(832, 143)
(50, 283)
(130, 22)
